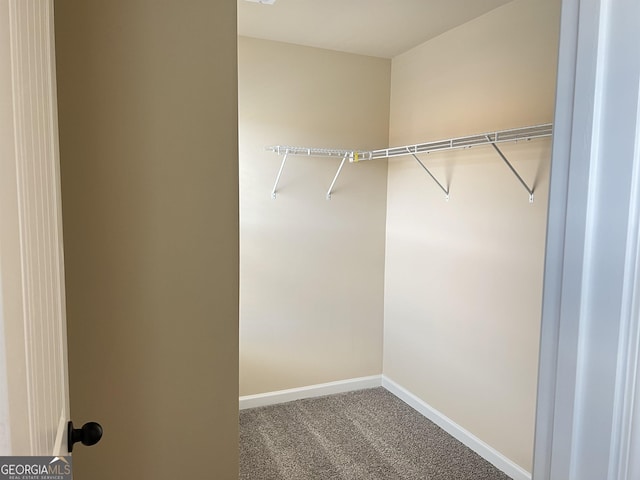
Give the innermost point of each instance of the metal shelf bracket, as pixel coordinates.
(275, 185)
(445, 190)
(344, 159)
(309, 152)
(513, 170)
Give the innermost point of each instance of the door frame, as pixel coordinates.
(588, 407)
(34, 398)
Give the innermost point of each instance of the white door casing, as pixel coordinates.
(34, 400)
(587, 425)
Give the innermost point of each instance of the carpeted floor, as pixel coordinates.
(363, 435)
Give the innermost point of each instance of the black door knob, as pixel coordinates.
(89, 434)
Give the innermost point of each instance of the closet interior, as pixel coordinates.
(423, 273)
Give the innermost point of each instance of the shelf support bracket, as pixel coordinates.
(344, 159)
(445, 190)
(513, 170)
(275, 185)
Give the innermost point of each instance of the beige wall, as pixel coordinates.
(463, 278)
(311, 269)
(148, 137)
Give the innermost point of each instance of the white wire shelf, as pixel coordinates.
(513, 135)
(491, 138)
(308, 152)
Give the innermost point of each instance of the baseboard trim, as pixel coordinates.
(319, 390)
(467, 438)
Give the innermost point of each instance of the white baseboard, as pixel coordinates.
(467, 438)
(282, 396)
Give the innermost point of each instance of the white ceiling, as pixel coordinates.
(380, 28)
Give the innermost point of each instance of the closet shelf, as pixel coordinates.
(354, 156)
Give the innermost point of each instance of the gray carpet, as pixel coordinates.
(368, 434)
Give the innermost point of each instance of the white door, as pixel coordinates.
(34, 400)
